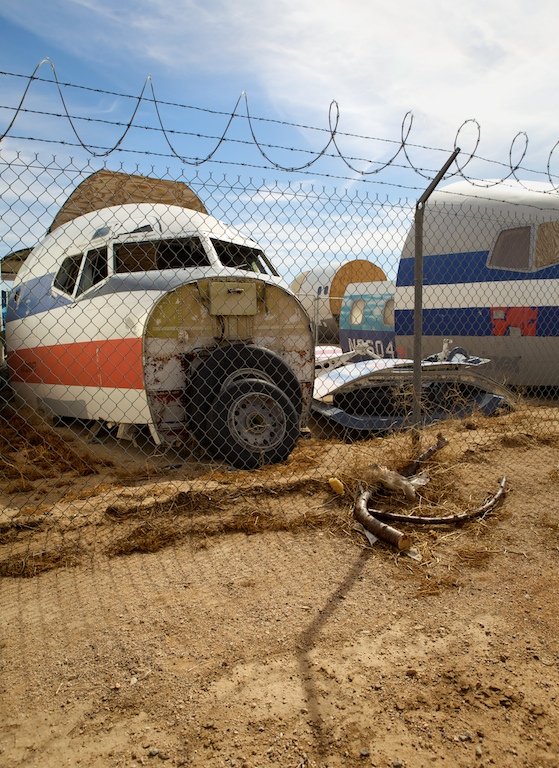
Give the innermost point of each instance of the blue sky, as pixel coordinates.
(492, 60)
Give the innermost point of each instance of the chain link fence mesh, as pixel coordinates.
(170, 341)
(170, 389)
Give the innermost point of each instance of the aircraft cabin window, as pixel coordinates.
(388, 313)
(152, 255)
(94, 270)
(357, 312)
(512, 249)
(242, 257)
(179, 254)
(67, 275)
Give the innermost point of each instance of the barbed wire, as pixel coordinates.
(234, 163)
(401, 148)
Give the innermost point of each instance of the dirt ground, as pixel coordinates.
(185, 616)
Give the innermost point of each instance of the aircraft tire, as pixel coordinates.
(251, 423)
(230, 363)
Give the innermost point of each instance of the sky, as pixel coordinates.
(495, 61)
(492, 61)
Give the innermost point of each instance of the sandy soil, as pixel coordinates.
(203, 618)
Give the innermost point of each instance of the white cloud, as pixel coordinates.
(446, 62)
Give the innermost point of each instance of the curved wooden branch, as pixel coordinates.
(382, 531)
(487, 506)
(413, 466)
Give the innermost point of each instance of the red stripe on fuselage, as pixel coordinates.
(115, 363)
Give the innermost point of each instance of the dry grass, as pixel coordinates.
(26, 565)
(30, 450)
(474, 557)
(254, 509)
(158, 533)
(294, 496)
(149, 536)
(19, 485)
(10, 530)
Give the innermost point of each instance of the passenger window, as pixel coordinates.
(512, 249)
(357, 312)
(547, 245)
(388, 313)
(67, 275)
(94, 270)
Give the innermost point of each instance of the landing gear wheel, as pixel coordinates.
(251, 423)
(229, 364)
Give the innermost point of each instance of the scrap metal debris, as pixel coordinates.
(394, 481)
(360, 394)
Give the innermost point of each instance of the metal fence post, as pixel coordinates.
(418, 295)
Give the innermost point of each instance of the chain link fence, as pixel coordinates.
(167, 339)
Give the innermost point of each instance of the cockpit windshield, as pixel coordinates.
(149, 255)
(242, 257)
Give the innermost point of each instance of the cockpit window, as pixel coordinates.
(150, 255)
(67, 275)
(94, 270)
(242, 257)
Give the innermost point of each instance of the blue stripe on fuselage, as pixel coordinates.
(34, 296)
(449, 268)
(471, 321)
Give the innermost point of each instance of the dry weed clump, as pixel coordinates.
(27, 564)
(19, 485)
(442, 495)
(11, 530)
(252, 510)
(30, 450)
(474, 557)
(159, 533)
(149, 536)
(180, 504)
(553, 476)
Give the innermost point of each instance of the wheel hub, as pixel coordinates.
(258, 421)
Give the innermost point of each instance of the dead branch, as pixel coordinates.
(381, 530)
(394, 481)
(486, 507)
(413, 466)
